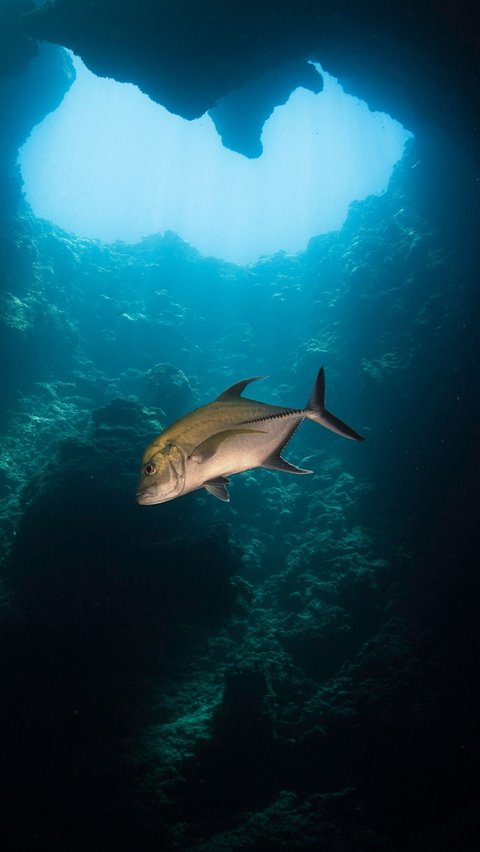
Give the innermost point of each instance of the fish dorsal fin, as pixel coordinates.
(276, 462)
(236, 390)
(208, 448)
(218, 487)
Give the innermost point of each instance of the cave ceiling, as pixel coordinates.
(417, 61)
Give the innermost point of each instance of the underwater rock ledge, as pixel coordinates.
(418, 64)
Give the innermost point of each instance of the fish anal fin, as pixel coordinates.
(218, 487)
(236, 390)
(276, 462)
(209, 447)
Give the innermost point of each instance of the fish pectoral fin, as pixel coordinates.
(218, 487)
(275, 462)
(208, 448)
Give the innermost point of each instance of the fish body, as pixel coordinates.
(227, 436)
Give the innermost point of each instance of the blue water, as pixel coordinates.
(111, 164)
(295, 669)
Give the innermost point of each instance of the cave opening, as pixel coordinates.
(110, 164)
(297, 667)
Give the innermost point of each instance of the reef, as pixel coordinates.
(272, 677)
(298, 669)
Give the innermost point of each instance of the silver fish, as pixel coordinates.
(227, 436)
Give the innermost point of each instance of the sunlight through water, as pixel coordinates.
(111, 164)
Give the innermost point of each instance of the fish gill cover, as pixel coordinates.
(295, 669)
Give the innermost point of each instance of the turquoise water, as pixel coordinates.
(295, 669)
(111, 164)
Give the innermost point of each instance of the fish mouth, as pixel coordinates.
(146, 496)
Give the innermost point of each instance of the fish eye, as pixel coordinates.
(149, 469)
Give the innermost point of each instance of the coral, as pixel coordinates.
(168, 388)
(298, 669)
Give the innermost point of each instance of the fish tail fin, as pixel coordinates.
(317, 412)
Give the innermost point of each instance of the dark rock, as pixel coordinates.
(331, 704)
(103, 599)
(16, 48)
(168, 388)
(243, 713)
(419, 66)
(118, 412)
(239, 116)
(26, 98)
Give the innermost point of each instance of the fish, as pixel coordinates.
(205, 447)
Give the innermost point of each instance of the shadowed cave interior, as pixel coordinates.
(296, 670)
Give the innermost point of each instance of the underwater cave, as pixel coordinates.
(111, 164)
(192, 193)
